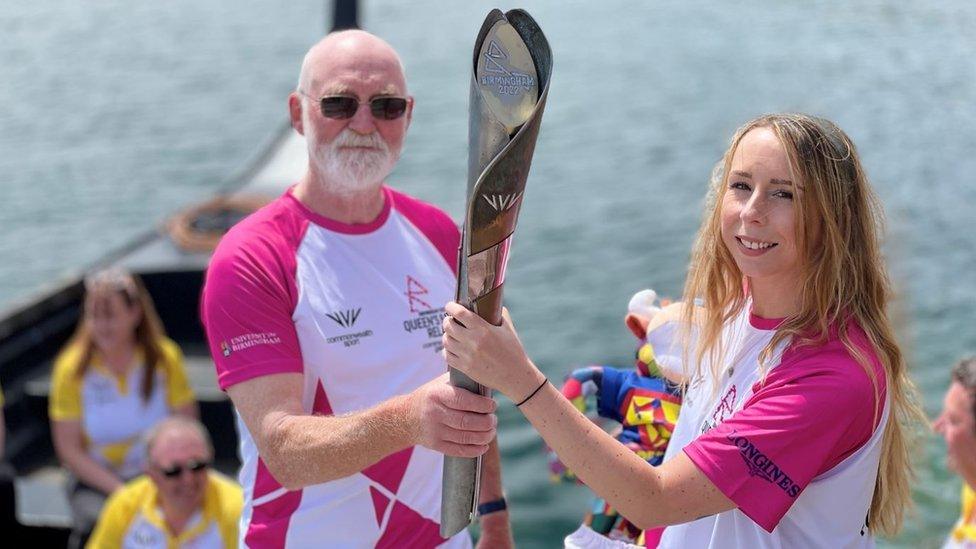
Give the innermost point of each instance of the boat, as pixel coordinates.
(170, 260)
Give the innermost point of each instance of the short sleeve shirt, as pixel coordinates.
(112, 410)
(132, 518)
(357, 311)
(797, 452)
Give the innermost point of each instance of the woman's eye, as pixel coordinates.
(783, 194)
(739, 185)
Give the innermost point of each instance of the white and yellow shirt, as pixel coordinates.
(111, 408)
(132, 519)
(964, 532)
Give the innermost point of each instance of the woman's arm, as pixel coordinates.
(74, 457)
(673, 493)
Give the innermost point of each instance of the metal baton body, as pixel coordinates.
(509, 85)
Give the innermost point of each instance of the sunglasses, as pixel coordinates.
(176, 470)
(344, 107)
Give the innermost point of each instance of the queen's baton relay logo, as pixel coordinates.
(425, 319)
(501, 79)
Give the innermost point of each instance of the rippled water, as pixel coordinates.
(115, 113)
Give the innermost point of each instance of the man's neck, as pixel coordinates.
(351, 208)
(177, 516)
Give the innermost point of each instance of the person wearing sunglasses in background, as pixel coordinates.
(117, 377)
(957, 425)
(179, 502)
(323, 313)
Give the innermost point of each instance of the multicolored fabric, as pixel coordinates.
(357, 310)
(111, 408)
(963, 534)
(645, 407)
(132, 519)
(797, 452)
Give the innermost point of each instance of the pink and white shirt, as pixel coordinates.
(357, 310)
(798, 454)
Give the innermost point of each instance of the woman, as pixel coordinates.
(117, 377)
(792, 429)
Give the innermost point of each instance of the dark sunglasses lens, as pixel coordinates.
(388, 108)
(193, 467)
(339, 107)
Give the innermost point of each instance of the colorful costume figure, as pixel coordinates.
(643, 402)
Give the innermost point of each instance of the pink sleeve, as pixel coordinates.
(246, 308)
(436, 225)
(801, 423)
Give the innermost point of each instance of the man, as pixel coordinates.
(957, 425)
(179, 502)
(320, 313)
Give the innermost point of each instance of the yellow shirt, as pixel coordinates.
(132, 519)
(964, 532)
(111, 409)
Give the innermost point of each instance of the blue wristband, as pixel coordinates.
(492, 507)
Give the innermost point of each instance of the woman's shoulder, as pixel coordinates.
(849, 363)
(68, 359)
(172, 354)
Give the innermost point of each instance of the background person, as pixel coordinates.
(957, 425)
(118, 376)
(179, 502)
(791, 430)
(322, 313)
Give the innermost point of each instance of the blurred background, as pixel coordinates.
(114, 114)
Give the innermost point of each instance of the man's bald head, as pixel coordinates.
(178, 430)
(343, 50)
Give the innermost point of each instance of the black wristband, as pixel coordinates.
(537, 389)
(493, 506)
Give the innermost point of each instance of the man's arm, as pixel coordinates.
(300, 449)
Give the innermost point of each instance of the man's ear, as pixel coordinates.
(637, 324)
(295, 112)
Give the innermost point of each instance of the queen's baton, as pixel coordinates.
(509, 85)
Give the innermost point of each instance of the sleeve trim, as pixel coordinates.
(229, 378)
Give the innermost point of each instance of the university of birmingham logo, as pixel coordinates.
(347, 318)
(224, 348)
(501, 202)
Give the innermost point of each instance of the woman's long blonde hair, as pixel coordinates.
(844, 284)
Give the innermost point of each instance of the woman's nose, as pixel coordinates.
(754, 210)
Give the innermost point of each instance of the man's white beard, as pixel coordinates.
(348, 171)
